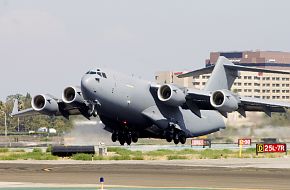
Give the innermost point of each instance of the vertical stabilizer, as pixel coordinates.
(15, 107)
(221, 77)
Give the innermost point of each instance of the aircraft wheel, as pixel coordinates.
(176, 141)
(169, 137)
(122, 141)
(134, 138)
(94, 114)
(128, 139)
(182, 139)
(121, 138)
(114, 137)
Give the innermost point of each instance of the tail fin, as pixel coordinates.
(221, 77)
(15, 107)
(224, 74)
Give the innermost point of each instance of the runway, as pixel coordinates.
(147, 174)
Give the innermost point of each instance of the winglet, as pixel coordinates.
(15, 108)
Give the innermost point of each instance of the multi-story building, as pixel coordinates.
(251, 84)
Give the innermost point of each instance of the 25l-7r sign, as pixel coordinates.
(270, 148)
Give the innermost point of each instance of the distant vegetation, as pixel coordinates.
(31, 123)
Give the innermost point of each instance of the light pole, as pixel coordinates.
(5, 122)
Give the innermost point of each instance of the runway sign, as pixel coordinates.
(197, 142)
(244, 142)
(271, 148)
(201, 142)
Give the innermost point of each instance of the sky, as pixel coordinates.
(46, 46)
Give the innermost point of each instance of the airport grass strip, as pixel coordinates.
(117, 153)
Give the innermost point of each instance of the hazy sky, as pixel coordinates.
(48, 45)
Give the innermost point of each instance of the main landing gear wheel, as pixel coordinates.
(128, 139)
(114, 137)
(134, 137)
(121, 138)
(122, 141)
(169, 137)
(182, 139)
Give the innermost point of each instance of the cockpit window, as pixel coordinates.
(99, 73)
(91, 72)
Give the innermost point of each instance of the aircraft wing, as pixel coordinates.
(267, 106)
(65, 110)
(23, 113)
(197, 100)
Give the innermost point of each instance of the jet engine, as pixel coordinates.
(171, 95)
(45, 103)
(224, 100)
(72, 95)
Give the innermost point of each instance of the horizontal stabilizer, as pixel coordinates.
(229, 65)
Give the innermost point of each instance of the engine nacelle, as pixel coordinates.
(171, 95)
(72, 95)
(45, 103)
(224, 100)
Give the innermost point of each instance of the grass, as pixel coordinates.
(28, 156)
(117, 153)
(81, 156)
(2, 150)
(160, 152)
(176, 157)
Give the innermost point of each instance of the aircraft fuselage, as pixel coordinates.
(131, 101)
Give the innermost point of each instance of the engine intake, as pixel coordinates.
(224, 100)
(171, 95)
(72, 95)
(45, 103)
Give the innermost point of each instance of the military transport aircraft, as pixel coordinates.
(131, 108)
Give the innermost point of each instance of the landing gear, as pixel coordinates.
(114, 136)
(121, 138)
(125, 136)
(176, 138)
(182, 138)
(134, 137)
(128, 138)
(175, 134)
(169, 136)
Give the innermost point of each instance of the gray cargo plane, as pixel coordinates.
(131, 108)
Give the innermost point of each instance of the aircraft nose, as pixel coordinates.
(86, 85)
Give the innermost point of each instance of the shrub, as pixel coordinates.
(37, 150)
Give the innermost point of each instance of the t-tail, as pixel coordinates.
(224, 74)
